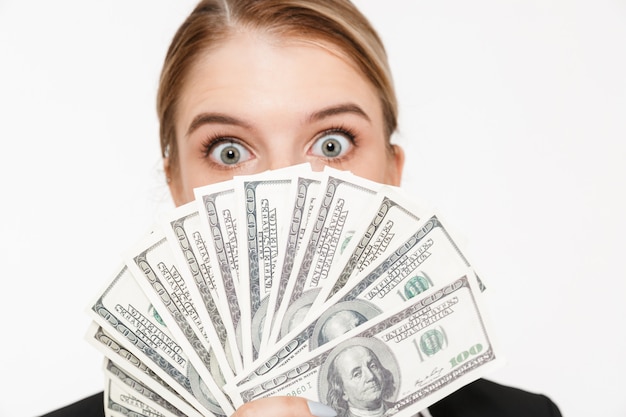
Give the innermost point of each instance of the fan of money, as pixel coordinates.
(322, 285)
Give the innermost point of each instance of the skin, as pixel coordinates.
(361, 375)
(274, 103)
(274, 406)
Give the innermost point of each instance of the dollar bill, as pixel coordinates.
(154, 267)
(337, 212)
(118, 401)
(398, 364)
(275, 284)
(428, 258)
(135, 395)
(184, 230)
(135, 368)
(218, 214)
(131, 318)
(263, 204)
(394, 221)
(305, 191)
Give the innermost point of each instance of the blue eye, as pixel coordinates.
(229, 153)
(332, 144)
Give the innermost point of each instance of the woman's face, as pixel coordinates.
(255, 104)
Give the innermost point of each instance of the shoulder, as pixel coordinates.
(485, 398)
(87, 407)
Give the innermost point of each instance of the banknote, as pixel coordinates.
(343, 199)
(305, 188)
(428, 258)
(279, 283)
(216, 203)
(398, 364)
(154, 267)
(263, 204)
(125, 311)
(134, 395)
(119, 401)
(394, 221)
(126, 362)
(184, 230)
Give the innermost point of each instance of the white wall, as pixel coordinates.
(512, 114)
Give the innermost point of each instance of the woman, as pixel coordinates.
(249, 86)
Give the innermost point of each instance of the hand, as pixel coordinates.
(284, 407)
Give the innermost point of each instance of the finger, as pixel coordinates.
(284, 407)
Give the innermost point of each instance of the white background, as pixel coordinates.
(513, 116)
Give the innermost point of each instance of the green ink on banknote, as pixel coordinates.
(349, 235)
(432, 342)
(156, 315)
(416, 285)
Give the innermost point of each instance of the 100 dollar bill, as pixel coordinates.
(153, 267)
(135, 370)
(305, 192)
(335, 216)
(190, 244)
(124, 311)
(216, 204)
(399, 363)
(428, 258)
(135, 395)
(119, 402)
(394, 221)
(263, 204)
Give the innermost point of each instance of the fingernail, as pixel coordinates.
(321, 410)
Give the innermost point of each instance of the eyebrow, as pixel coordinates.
(221, 118)
(214, 118)
(338, 109)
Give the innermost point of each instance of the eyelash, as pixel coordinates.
(216, 138)
(349, 133)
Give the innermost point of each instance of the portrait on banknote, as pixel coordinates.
(298, 310)
(339, 319)
(359, 378)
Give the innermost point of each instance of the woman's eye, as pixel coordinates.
(229, 153)
(332, 145)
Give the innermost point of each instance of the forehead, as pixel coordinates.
(353, 357)
(254, 71)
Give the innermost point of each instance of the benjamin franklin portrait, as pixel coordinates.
(341, 318)
(359, 382)
(339, 323)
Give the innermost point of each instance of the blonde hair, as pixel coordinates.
(333, 24)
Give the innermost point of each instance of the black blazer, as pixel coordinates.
(481, 398)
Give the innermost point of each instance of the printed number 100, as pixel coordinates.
(463, 356)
